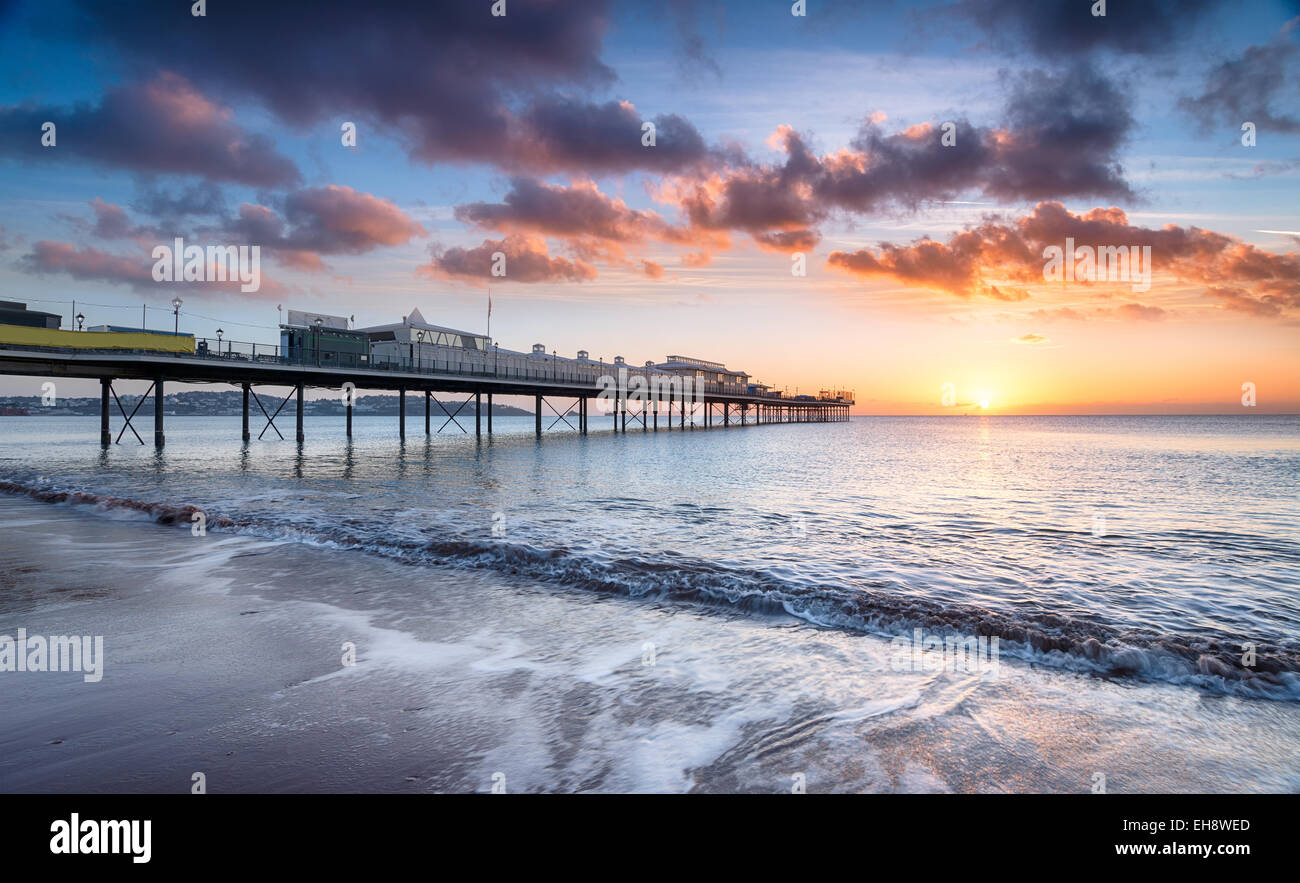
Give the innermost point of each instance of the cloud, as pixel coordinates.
(111, 222)
(452, 81)
(526, 260)
(1030, 338)
(93, 265)
(1239, 301)
(1055, 28)
(577, 211)
(590, 223)
(1061, 136)
(329, 220)
(653, 270)
(1243, 89)
(973, 261)
(197, 198)
(1141, 312)
(164, 125)
(89, 264)
(1059, 314)
(555, 134)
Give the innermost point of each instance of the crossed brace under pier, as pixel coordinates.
(105, 430)
(743, 414)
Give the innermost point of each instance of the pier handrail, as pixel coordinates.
(439, 360)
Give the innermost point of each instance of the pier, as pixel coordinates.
(668, 396)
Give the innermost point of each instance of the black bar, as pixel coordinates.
(1084, 831)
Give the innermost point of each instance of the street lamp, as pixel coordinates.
(81, 320)
(319, 323)
(419, 354)
(219, 333)
(555, 365)
(176, 314)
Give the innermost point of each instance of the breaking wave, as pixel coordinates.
(1212, 663)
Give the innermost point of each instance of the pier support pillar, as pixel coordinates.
(538, 415)
(489, 413)
(347, 407)
(158, 440)
(105, 434)
(246, 434)
(726, 414)
(428, 406)
(401, 413)
(582, 414)
(478, 415)
(670, 412)
(300, 435)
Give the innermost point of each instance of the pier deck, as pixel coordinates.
(738, 406)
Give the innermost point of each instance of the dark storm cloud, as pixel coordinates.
(559, 133)
(1247, 88)
(457, 83)
(1054, 28)
(162, 125)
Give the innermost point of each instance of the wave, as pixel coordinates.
(1212, 663)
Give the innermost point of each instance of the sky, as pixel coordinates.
(916, 161)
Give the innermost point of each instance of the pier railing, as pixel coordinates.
(439, 360)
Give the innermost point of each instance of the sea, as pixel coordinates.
(751, 608)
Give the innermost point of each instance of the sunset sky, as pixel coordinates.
(775, 134)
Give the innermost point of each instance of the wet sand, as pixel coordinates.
(224, 656)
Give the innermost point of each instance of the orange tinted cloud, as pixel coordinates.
(523, 258)
(1241, 276)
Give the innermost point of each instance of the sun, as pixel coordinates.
(984, 404)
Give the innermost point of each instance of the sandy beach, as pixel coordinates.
(224, 656)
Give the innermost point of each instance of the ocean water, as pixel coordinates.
(701, 610)
(1145, 547)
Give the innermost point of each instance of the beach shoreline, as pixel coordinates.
(224, 657)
